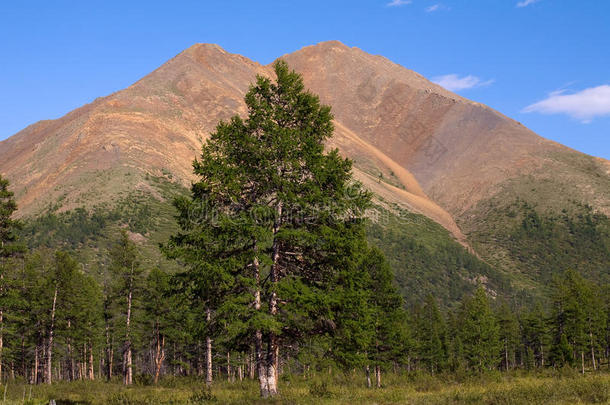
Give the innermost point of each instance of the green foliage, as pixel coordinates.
(579, 318)
(478, 332)
(279, 218)
(8, 225)
(549, 243)
(426, 260)
(431, 336)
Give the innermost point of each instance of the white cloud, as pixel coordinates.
(526, 3)
(396, 3)
(436, 7)
(453, 82)
(583, 105)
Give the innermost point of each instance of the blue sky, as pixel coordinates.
(545, 63)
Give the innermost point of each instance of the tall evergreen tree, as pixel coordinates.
(126, 267)
(509, 334)
(281, 204)
(432, 336)
(9, 248)
(478, 332)
(535, 336)
(389, 317)
(578, 320)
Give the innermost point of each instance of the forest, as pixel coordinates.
(279, 288)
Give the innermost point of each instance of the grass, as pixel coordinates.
(496, 388)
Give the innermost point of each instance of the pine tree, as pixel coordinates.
(432, 336)
(126, 268)
(276, 204)
(578, 320)
(478, 332)
(9, 248)
(509, 334)
(535, 336)
(388, 314)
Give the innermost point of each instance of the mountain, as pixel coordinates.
(420, 148)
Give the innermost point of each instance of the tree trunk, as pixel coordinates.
(368, 376)
(378, 376)
(49, 370)
(127, 364)
(272, 360)
(273, 349)
(91, 373)
(229, 366)
(592, 351)
(159, 355)
(36, 366)
(208, 350)
(258, 335)
(582, 360)
(109, 353)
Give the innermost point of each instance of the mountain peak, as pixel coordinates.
(204, 47)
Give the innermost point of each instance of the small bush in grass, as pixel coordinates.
(203, 396)
(320, 389)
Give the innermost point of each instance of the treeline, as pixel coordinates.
(61, 324)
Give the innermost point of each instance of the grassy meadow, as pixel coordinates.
(566, 387)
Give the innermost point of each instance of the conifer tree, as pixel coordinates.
(535, 336)
(282, 209)
(432, 336)
(389, 317)
(578, 320)
(125, 266)
(9, 248)
(478, 332)
(509, 334)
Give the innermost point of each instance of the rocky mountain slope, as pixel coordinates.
(419, 147)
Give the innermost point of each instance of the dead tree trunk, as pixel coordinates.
(367, 370)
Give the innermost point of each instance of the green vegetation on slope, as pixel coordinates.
(147, 214)
(427, 260)
(532, 244)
